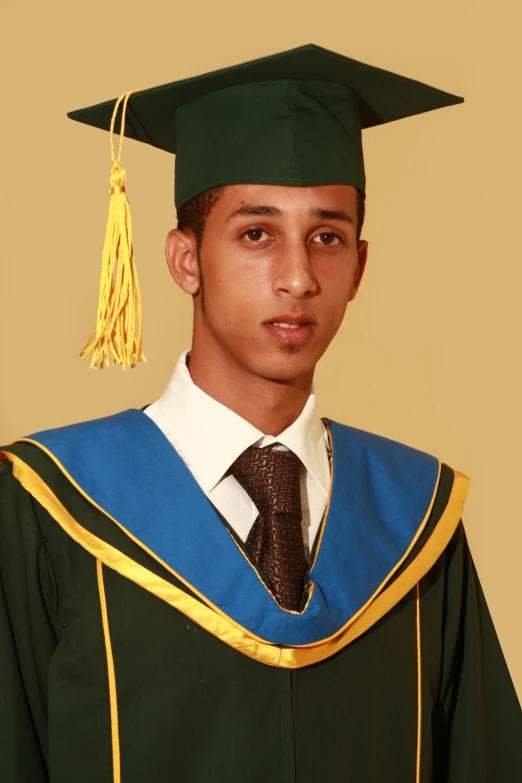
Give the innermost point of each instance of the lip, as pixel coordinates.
(287, 318)
(297, 336)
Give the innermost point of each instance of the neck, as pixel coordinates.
(269, 405)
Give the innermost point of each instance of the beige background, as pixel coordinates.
(429, 351)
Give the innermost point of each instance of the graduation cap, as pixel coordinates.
(293, 118)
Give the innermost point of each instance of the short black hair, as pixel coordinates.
(193, 215)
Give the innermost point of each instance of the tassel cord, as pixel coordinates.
(118, 329)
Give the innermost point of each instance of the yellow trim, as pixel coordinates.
(137, 541)
(203, 597)
(419, 686)
(225, 628)
(113, 697)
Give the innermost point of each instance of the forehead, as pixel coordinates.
(287, 198)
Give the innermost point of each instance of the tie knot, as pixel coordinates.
(271, 479)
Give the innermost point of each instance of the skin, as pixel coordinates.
(258, 266)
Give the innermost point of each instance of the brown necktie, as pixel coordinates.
(275, 542)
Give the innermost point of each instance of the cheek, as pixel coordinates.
(335, 278)
(233, 288)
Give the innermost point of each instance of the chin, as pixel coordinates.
(284, 365)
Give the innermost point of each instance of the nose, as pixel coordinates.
(293, 271)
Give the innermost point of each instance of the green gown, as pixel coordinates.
(105, 679)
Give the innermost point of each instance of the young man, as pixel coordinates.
(222, 586)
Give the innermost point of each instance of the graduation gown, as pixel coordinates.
(139, 643)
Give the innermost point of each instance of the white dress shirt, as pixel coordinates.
(209, 437)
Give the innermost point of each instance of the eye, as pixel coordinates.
(328, 239)
(255, 235)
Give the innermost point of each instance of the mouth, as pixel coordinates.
(291, 329)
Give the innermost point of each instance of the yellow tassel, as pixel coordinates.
(119, 319)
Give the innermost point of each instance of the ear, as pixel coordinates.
(362, 253)
(182, 260)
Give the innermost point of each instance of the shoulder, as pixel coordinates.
(18, 518)
(380, 452)
(34, 454)
(373, 441)
(82, 456)
(6, 469)
(104, 428)
(379, 455)
(396, 474)
(91, 437)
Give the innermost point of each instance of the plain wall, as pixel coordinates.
(429, 353)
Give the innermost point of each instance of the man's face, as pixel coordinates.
(278, 255)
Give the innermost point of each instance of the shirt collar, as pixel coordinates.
(211, 436)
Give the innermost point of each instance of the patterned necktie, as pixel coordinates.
(275, 542)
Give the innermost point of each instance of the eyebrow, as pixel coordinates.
(256, 209)
(333, 214)
(264, 210)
